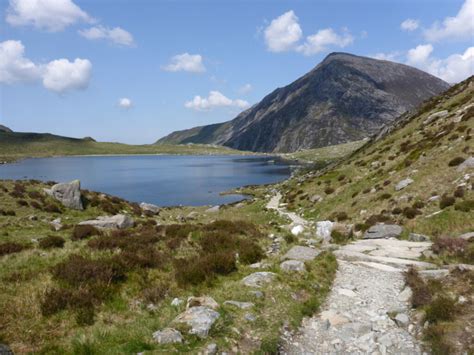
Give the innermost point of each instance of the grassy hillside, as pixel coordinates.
(19, 145)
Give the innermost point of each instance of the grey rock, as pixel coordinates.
(293, 265)
(258, 279)
(405, 295)
(402, 320)
(5, 350)
(256, 293)
(434, 116)
(168, 336)
(120, 221)
(383, 231)
(467, 236)
(466, 164)
(301, 253)
(434, 274)
(204, 301)
(213, 209)
(241, 305)
(150, 208)
(68, 193)
(315, 198)
(56, 224)
(176, 302)
(418, 237)
(250, 317)
(211, 349)
(200, 320)
(324, 229)
(404, 183)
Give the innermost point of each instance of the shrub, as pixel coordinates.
(410, 212)
(85, 316)
(421, 294)
(329, 190)
(156, 293)
(377, 218)
(249, 251)
(189, 272)
(84, 231)
(36, 205)
(446, 201)
(22, 203)
(55, 300)
(52, 208)
(52, 241)
(341, 216)
(418, 204)
(459, 192)
(443, 308)
(456, 161)
(385, 196)
(290, 238)
(140, 257)
(450, 246)
(361, 227)
(7, 213)
(35, 195)
(11, 248)
(340, 237)
(77, 271)
(464, 206)
(397, 210)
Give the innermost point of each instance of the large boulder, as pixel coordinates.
(120, 221)
(200, 320)
(324, 229)
(301, 253)
(383, 231)
(149, 208)
(168, 336)
(68, 193)
(257, 279)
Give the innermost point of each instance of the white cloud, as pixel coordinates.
(245, 89)
(125, 103)
(391, 56)
(61, 75)
(186, 62)
(419, 55)
(215, 99)
(452, 69)
(50, 15)
(14, 67)
(116, 35)
(324, 38)
(283, 32)
(409, 25)
(460, 26)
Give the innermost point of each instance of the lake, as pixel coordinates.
(164, 180)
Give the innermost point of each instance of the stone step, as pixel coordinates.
(395, 262)
(378, 266)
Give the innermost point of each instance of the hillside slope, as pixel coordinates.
(430, 151)
(345, 98)
(5, 129)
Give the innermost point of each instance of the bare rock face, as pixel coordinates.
(69, 194)
(383, 231)
(345, 98)
(119, 221)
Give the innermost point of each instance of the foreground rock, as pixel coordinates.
(258, 279)
(324, 229)
(69, 194)
(383, 231)
(149, 208)
(293, 266)
(120, 221)
(200, 320)
(467, 164)
(204, 301)
(168, 336)
(301, 253)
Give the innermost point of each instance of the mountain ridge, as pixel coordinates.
(344, 98)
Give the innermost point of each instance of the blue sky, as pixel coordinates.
(133, 71)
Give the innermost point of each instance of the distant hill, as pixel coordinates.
(15, 145)
(345, 98)
(5, 129)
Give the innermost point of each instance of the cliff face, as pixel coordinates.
(345, 98)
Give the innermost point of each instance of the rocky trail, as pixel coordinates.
(367, 311)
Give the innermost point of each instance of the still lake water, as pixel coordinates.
(164, 180)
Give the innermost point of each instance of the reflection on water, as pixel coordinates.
(163, 180)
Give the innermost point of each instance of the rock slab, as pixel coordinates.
(258, 279)
(301, 253)
(383, 231)
(119, 221)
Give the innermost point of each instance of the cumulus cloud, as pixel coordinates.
(460, 26)
(283, 32)
(115, 35)
(419, 55)
(59, 75)
(186, 62)
(452, 69)
(14, 67)
(409, 24)
(320, 41)
(125, 103)
(245, 89)
(49, 15)
(215, 99)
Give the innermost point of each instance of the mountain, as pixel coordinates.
(345, 98)
(5, 129)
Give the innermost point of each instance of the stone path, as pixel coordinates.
(274, 204)
(367, 311)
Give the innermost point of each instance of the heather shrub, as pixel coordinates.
(11, 248)
(84, 231)
(464, 206)
(450, 246)
(446, 201)
(52, 241)
(456, 161)
(421, 294)
(442, 308)
(329, 190)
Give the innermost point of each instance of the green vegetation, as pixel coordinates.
(325, 154)
(15, 146)
(83, 290)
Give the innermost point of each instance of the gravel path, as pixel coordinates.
(367, 311)
(274, 204)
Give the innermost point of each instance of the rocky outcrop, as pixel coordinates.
(119, 221)
(199, 319)
(149, 208)
(345, 98)
(383, 231)
(69, 194)
(168, 336)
